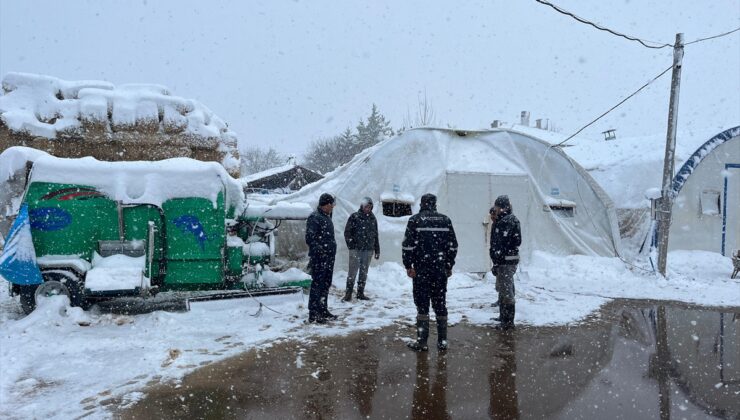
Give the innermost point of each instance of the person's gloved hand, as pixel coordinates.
(377, 255)
(411, 272)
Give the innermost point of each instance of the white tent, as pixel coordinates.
(706, 192)
(561, 209)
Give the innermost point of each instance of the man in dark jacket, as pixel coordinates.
(429, 251)
(322, 249)
(506, 237)
(361, 235)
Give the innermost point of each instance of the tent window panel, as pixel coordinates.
(710, 203)
(396, 209)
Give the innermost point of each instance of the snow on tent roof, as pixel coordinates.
(44, 106)
(143, 182)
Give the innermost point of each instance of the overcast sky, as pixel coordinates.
(284, 73)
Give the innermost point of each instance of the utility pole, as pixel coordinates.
(666, 200)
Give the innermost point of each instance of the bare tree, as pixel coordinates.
(255, 159)
(425, 116)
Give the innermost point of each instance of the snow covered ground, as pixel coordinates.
(61, 362)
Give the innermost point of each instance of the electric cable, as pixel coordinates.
(614, 107)
(658, 45)
(712, 37)
(602, 28)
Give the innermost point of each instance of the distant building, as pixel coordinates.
(283, 179)
(112, 123)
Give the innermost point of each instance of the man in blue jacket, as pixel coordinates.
(506, 237)
(429, 251)
(322, 249)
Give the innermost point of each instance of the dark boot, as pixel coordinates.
(507, 316)
(442, 333)
(347, 296)
(422, 334)
(361, 292)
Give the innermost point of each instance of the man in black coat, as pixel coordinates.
(322, 249)
(429, 251)
(506, 237)
(361, 236)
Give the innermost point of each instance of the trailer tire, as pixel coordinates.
(28, 298)
(74, 285)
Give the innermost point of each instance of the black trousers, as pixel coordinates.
(430, 286)
(321, 274)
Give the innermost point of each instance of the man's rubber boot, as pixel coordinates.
(507, 316)
(422, 334)
(347, 295)
(361, 292)
(442, 333)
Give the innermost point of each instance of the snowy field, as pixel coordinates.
(61, 362)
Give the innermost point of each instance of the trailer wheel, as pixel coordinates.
(72, 283)
(28, 298)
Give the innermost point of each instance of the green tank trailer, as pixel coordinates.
(107, 229)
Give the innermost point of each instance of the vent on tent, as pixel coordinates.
(710, 203)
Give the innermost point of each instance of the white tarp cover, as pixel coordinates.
(467, 171)
(143, 182)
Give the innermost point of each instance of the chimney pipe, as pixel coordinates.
(525, 118)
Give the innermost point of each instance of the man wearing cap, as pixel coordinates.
(506, 237)
(361, 236)
(322, 249)
(429, 251)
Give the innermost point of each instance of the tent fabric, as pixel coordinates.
(467, 170)
(692, 162)
(705, 214)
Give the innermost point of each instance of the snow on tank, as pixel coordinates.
(143, 182)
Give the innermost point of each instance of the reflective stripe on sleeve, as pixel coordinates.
(432, 229)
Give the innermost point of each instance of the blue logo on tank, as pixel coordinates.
(190, 224)
(49, 218)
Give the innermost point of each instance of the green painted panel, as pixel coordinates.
(69, 219)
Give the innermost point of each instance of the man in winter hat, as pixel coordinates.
(429, 251)
(361, 236)
(322, 249)
(506, 237)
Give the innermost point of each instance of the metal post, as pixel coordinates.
(666, 201)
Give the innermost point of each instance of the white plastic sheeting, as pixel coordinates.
(467, 171)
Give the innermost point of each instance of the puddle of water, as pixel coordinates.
(637, 360)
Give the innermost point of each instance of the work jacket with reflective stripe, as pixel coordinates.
(429, 242)
(506, 236)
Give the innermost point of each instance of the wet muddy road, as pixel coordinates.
(636, 360)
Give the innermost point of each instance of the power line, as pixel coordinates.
(614, 107)
(601, 28)
(713, 37)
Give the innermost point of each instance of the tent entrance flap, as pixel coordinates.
(469, 197)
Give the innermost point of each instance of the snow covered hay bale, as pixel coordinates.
(561, 209)
(706, 193)
(111, 123)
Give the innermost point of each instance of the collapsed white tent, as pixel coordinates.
(561, 209)
(706, 193)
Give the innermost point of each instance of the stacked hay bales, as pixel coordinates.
(98, 119)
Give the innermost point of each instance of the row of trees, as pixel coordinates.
(325, 155)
